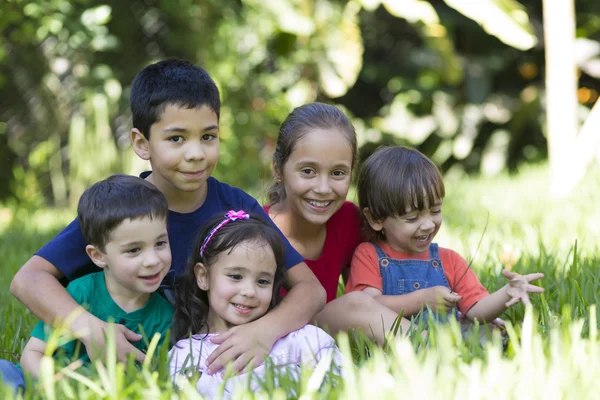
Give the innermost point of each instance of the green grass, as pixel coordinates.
(555, 353)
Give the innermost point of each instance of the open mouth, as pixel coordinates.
(423, 238)
(151, 279)
(242, 309)
(319, 204)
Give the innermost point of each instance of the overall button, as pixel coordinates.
(435, 263)
(385, 262)
(416, 285)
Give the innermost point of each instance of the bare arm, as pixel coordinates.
(514, 291)
(409, 304)
(32, 356)
(36, 285)
(249, 344)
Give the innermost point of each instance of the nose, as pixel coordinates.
(248, 289)
(194, 151)
(151, 258)
(322, 186)
(427, 224)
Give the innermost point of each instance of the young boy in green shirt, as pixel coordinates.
(124, 222)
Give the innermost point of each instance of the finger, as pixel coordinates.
(244, 363)
(219, 339)
(499, 323)
(218, 351)
(139, 355)
(512, 302)
(535, 289)
(229, 355)
(525, 299)
(509, 274)
(534, 277)
(130, 335)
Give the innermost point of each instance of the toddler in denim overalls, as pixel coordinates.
(400, 193)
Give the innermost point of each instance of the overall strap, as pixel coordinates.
(434, 251)
(380, 253)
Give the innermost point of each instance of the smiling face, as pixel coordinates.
(135, 259)
(412, 232)
(317, 175)
(239, 285)
(183, 148)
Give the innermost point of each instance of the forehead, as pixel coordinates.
(257, 257)
(186, 118)
(328, 145)
(144, 229)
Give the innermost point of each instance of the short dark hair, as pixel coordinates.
(395, 178)
(170, 82)
(298, 123)
(104, 205)
(191, 304)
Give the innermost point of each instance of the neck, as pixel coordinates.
(178, 200)
(216, 324)
(292, 225)
(128, 300)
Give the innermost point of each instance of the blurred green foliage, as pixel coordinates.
(463, 83)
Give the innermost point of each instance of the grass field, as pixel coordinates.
(553, 353)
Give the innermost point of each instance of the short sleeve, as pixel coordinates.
(364, 269)
(469, 288)
(66, 251)
(79, 294)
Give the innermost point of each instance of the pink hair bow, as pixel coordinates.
(230, 216)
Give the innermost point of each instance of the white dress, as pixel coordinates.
(304, 347)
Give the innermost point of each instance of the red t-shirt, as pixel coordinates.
(365, 272)
(342, 237)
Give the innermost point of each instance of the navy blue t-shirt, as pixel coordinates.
(67, 250)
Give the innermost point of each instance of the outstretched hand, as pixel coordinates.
(95, 341)
(246, 345)
(518, 287)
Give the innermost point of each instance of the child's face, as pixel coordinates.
(183, 148)
(137, 257)
(414, 231)
(239, 285)
(317, 175)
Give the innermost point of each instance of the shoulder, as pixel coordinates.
(365, 249)
(450, 255)
(348, 214)
(87, 282)
(220, 189)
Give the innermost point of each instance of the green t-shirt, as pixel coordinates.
(90, 291)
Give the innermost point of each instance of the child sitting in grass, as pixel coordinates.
(124, 221)
(400, 193)
(234, 277)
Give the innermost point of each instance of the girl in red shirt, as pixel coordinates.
(312, 165)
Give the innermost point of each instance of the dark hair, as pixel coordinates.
(191, 302)
(395, 178)
(300, 122)
(104, 205)
(170, 82)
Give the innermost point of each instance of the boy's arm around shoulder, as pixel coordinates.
(37, 286)
(32, 356)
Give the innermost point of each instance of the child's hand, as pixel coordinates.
(440, 298)
(95, 340)
(246, 345)
(518, 287)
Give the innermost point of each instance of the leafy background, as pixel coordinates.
(461, 81)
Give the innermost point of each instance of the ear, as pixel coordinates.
(140, 144)
(201, 273)
(96, 256)
(276, 172)
(375, 225)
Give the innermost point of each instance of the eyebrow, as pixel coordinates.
(314, 163)
(137, 243)
(179, 129)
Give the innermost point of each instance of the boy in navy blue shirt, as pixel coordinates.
(175, 108)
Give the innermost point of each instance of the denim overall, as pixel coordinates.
(406, 276)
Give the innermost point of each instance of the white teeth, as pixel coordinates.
(319, 203)
(242, 307)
